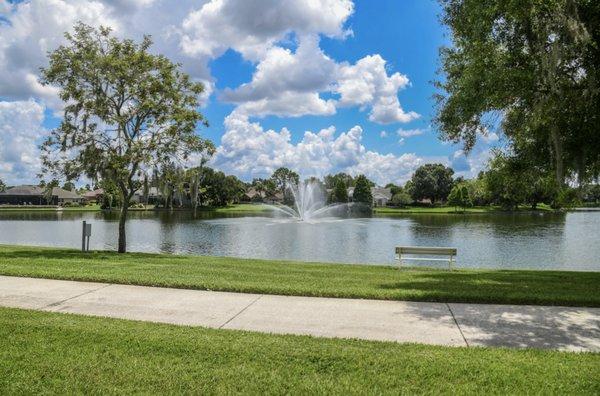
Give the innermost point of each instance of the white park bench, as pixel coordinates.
(428, 251)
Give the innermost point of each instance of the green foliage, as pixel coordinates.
(126, 109)
(283, 178)
(519, 62)
(2, 186)
(511, 181)
(362, 191)
(69, 186)
(478, 190)
(48, 189)
(340, 192)
(401, 199)
(591, 193)
(431, 181)
(394, 189)
(219, 189)
(111, 197)
(459, 196)
(331, 180)
(566, 197)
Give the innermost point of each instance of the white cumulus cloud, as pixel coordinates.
(20, 133)
(406, 133)
(248, 151)
(293, 77)
(367, 84)
(251, 27)
(287, 83)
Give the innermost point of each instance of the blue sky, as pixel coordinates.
(406, 33)
(356, 74)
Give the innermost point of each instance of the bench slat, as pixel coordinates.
(423, 259)
(426, 250)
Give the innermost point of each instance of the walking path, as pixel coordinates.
(573, 329)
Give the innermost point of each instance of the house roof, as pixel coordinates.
(24, 190)
(152, 192)
(251, 193)
(376, 192)
(61, 193)
(379, 192)
(94, 194)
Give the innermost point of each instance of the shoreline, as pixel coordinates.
(259, 208)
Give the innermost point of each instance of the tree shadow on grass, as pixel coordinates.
(65, 254)
(507, 287)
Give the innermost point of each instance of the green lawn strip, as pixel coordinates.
(567, 288)
(453, 210)
(88, 208)
(242, 208)
(54, 353)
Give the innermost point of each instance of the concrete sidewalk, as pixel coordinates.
(573, 329)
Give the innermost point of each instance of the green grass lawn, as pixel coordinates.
(32, 208)
(248, 208)
(53, 353)
(453, 210)
(306, 279)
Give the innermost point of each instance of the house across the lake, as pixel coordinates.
(381, 195)
(94, 196)
(23, 195)
(60, 196)
(154, 196)
(35, 195)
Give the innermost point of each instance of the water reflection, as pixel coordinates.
(544, 241)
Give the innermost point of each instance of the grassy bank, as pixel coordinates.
(33, 208)
(238, 208)
(54, 353)
(247, 208)
(306, 279)
(453, 210)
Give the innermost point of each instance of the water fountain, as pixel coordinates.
(310, 203)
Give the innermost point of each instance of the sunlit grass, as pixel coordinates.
(306, 279)
(52, 353)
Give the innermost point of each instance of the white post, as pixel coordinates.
(83, 237)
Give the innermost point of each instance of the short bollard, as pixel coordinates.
(85, 237)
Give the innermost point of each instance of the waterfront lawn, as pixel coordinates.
(246, 208)
(54, 353)
(48, 208)
(454, 210)
(567, 288)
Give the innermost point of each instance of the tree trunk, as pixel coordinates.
(122, 248)
(122, 238)
(170, 200)
(558, 156)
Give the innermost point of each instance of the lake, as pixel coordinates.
(565, 241)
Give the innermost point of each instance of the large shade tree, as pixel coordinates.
(431, 181)
(126, 110)
(283, 179)
(533, 69)
(340, 192)
(362, 191)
